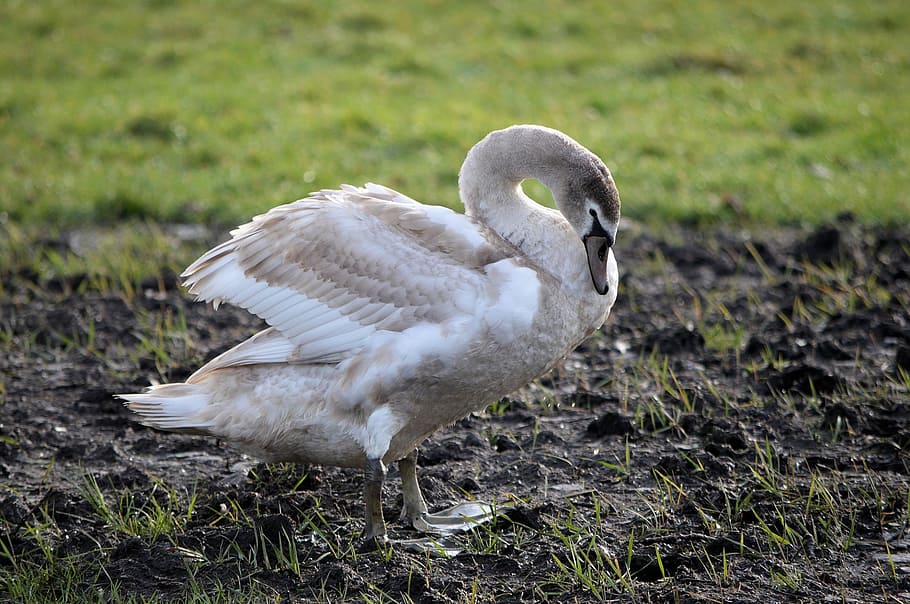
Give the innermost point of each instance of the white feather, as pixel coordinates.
(170, 406)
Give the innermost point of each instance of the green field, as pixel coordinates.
(134, 134)
(771, 112)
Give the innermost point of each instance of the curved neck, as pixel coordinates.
(490, 188)
(490, 178)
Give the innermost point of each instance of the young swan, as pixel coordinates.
(390, 319)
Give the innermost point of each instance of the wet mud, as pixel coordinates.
(739, 430)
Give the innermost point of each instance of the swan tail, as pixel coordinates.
(174, 407)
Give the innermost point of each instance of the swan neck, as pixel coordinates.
(490, 179)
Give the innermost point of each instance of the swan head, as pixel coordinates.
(590, 202)
(581, 184)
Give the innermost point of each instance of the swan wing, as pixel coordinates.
(329, 271)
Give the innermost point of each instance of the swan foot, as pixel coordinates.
(443, 528)
(459, 518)
(456, 519)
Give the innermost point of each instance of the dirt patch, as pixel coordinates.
(738, 431)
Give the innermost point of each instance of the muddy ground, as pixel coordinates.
(739, 431)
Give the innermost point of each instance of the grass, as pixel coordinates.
(148, 518)
(716, 111)
(117, 117)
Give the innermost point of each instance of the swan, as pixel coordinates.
(390, 319)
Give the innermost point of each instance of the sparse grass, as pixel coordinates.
(772, 515)
(585, 561)
(158, 512)
(621, 466)
(110, 260)
(43, 572)
(768, 512)
(162, 337)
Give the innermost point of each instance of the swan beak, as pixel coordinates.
(598, 249)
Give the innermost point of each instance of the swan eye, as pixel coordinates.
(593, 212)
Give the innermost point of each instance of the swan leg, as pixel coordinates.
(414, 508)
(374, 477)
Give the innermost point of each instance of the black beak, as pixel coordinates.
(597, 244)
(598, 249)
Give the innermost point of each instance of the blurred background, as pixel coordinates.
(707, 111)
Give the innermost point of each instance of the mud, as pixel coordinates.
(746, 385)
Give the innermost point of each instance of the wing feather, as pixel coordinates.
(328, 271)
